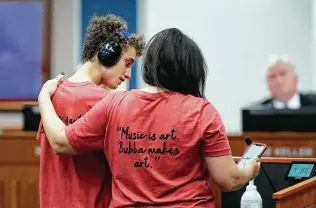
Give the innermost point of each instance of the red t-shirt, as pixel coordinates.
(80, 181)
(155, 145)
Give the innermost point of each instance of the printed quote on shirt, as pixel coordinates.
(157, 145)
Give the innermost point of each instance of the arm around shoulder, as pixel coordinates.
(85, 135)
(54, 128)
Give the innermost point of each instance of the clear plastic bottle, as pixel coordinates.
(251, 197)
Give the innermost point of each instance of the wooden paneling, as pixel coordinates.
(19, 162)
(1, 194)
(294, 145)
(15, 105)
(19, 170)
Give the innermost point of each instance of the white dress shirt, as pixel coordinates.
(293, 103)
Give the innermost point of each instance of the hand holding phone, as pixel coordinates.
(253, 151)
(254, 166)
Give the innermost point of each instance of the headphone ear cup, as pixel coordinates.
(109, 53)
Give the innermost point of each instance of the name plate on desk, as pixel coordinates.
(289, 152)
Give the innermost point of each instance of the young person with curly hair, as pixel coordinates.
(84, 181)
(160, 139)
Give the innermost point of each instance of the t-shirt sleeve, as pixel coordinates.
(215, 142)
(87, 133)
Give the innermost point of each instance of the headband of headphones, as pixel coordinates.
(111, 51)
(125, 34)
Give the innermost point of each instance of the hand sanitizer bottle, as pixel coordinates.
(251, 198)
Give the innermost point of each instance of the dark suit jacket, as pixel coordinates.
(306, 100)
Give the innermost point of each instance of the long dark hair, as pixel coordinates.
(174, 61)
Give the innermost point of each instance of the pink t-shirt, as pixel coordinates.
(81, 181)
(155, 145)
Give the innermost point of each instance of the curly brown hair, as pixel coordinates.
(109, 27)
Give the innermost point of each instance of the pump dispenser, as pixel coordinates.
(251, 197)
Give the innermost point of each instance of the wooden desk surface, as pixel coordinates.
(280, 144)
(254, 136)
(272, 135)
(281, 159)
(15, 105)
(17, 134)
(287, 144)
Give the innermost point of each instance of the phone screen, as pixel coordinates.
(253, 151)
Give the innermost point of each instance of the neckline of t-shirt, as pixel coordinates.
(69, 83)
(142, 93)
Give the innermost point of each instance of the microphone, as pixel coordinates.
(249, 142)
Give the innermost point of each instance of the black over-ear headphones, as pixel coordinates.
(110, 50)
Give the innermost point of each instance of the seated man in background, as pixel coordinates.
(282, 82)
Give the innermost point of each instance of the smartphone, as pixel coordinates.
(254, 150)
